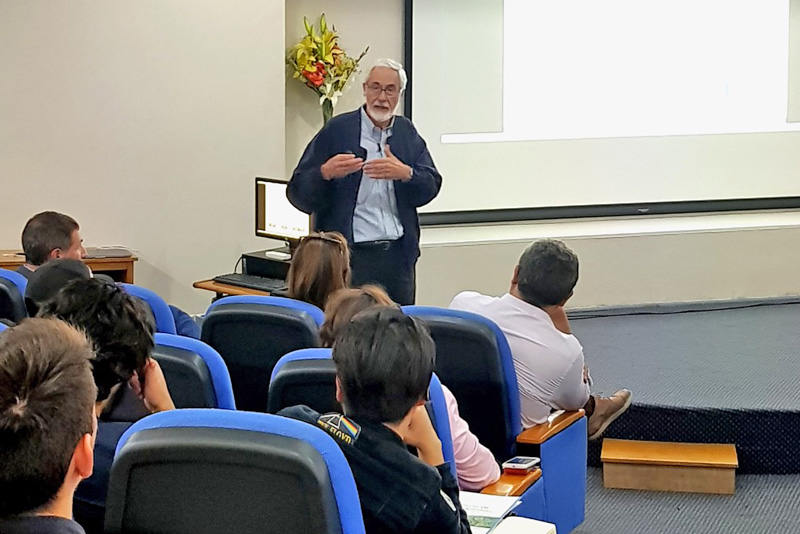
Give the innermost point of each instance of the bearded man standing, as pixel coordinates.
(364, 175)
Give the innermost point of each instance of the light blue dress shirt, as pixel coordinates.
(375, 217)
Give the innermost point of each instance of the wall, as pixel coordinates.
(147, 121)
(628, 261)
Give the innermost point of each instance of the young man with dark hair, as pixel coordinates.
(47, 425)
(122, 333)
(384, 362)
(548, 359)
(49, 235)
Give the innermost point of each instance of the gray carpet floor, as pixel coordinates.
(762, 503)
(746, 358)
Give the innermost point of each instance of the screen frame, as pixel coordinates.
(508, 215)
(290, 240)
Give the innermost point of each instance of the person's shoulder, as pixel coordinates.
(404, 124)
(38, 524)
(343, 120)
(470, 301)
(301, 413)
(24, 271)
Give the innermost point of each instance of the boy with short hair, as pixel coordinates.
(47, 425)
(384, 362)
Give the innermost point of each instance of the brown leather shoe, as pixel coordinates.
(606, 411)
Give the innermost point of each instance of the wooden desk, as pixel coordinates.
(226, 289)
(120, 269)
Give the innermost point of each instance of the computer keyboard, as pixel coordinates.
(252, 282)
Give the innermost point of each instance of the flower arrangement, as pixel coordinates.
(319, 63)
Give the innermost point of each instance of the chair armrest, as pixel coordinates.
(536, 435)
(513, 485)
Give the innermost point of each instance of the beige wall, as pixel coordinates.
(628, 261)
(360, 23)
(147, 121)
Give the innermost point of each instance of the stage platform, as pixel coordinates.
(715, 372)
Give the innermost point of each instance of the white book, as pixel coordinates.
(485, 511)
(523, 525)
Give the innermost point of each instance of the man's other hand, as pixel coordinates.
(340, 166)
(388, 168)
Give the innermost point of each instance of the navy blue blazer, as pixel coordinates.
(332, 202)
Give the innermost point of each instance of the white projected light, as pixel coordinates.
(575, 103)
(625, 68)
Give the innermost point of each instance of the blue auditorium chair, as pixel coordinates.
(215, 471)
(196, 377)
(12, 296)
(308, 376)
(165, 323)
(196, 374)
(304, 376)
(251, 333)
(474, 361)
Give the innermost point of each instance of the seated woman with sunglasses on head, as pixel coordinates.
(475, 464)
(320, 266)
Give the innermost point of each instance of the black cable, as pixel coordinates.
(580, 315)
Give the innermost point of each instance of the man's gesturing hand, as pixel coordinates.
(388, 168)
(340, 166)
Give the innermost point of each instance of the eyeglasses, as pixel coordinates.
(376, 89)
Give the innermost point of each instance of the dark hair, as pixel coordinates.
(50, 278)
(320, 266)
(344, 304)
(384, 360)
(117, 323)
(548, 272)
(47, 400)
(45, 232)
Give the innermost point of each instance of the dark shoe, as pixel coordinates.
(606, 411)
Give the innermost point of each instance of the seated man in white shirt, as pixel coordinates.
(548, 359)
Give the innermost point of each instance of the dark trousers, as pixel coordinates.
(589, 407)
(383, 263)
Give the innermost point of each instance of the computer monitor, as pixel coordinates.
(276, 218)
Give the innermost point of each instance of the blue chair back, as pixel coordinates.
(196, 374)
(3, 327)
(474, 361)
(308, 376)
(12, 296)
(305, 376)
(437, 408)
(251, 333)
(165, 322)
(214, 471)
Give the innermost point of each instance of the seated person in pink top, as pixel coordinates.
(548, 359)
(475, 464)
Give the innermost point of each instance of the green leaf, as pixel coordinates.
(323, 26)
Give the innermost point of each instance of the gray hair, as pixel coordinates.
(395, 66)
